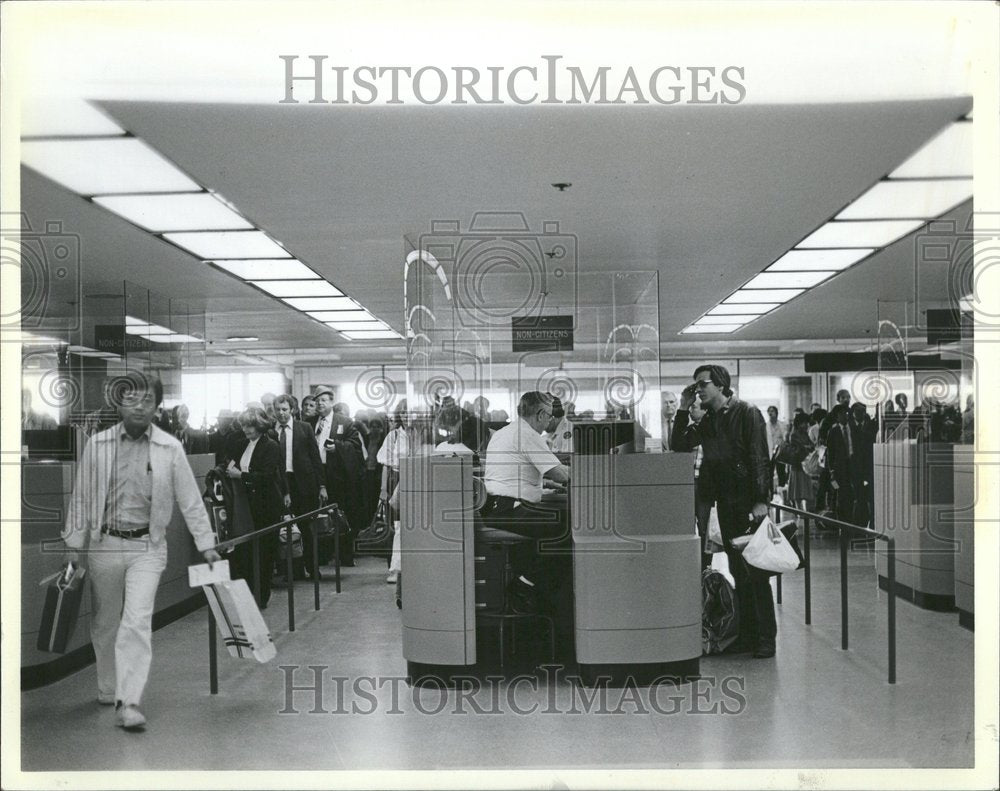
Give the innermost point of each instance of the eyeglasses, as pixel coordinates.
(701, 384)
(135, 399)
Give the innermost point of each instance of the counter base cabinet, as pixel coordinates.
(964, 522)
(914, 501)
(640, 675)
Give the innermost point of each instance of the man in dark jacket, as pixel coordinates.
(340, 447)
(302, 467)
(735, 473)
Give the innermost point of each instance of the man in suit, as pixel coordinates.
(840, 462)
(302, 468)
(668, 412)
(339, 443)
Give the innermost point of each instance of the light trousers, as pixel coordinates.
(124, 576)
(396, 560)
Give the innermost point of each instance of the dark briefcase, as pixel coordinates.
(62, 606)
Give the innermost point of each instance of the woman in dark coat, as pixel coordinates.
(256, 463)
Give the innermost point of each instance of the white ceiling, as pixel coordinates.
(706, 195)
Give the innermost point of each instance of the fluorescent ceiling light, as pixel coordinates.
(298, 288)
(228, 244)
(99, 355)
(869, 234)
(93, 167)
(371, 335)
(731, 319)
(62, 117)
(243, 338)
(757, 308)
(817, 261)
(948, 154)
(769, 295)
(358, 325)
(147, 329)
(787, 279)
(178, 338)
(267, 269)
(713, 329)
(200, 211)
(342, 315)
(321, 303)
(889, 200)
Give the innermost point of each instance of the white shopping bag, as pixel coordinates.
(240, 623)
(713, 537)
(769, 550)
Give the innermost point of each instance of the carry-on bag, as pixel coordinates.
(240, 623)
(720, 624)
(61, 608)
(769, 549)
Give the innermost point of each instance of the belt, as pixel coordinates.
(139, 532)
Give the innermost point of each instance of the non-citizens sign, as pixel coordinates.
(542, 333)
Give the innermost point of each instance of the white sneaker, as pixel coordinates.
(131, 718)
(391, 579)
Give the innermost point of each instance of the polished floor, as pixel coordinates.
(813, 705)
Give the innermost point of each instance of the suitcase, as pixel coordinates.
(61, 608)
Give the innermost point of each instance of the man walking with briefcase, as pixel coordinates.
(128, 481)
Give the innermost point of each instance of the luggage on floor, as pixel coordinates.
(720, 624)
(61, 608)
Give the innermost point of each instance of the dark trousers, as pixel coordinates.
(241, 564)
(753, 591)
(548, 560)
(305, 526)
(702, 511)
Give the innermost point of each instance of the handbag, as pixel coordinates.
(332, 523)
(379, 528)
(61, 608)
(296, 542)
(813, 464)
(769, 549)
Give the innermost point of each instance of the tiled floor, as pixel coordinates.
(813, 705)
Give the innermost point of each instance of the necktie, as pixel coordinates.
(850, 445)
(283, 442)
(319, 426)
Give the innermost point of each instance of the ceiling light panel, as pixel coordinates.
(342, 315)
(103, 166)
(185, 212)
(358, 325)
(889, 200)
(298, 288)
(788, 279)
(730, 319)
(948, 154)
(763, 295)
(267, 269)
(321, 303)
(757, 308)
(862, 233)
(817, 261)
(371, 335)
(228, 244)
(711, 330)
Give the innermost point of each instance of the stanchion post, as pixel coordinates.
(808, 572)
(213, 659)
(289, 573)
(843, 588)
(256, 572)
(891, 605)
(336, 555)
(777, 518)
(315, 566)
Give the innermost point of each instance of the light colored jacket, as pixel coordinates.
(173, 482)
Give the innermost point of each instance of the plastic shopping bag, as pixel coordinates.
(240, 623)
(769, 549)
(713, 535)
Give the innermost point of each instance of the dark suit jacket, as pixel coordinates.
(306, 466)
(264, 481)
(837, 460)
(345, 469)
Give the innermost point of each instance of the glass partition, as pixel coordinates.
(497, 322)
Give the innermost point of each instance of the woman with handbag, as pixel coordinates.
(800, 484)
(257, 464)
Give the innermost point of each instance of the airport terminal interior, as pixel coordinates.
(409, 274)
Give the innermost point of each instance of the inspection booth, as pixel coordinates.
(591, 339)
